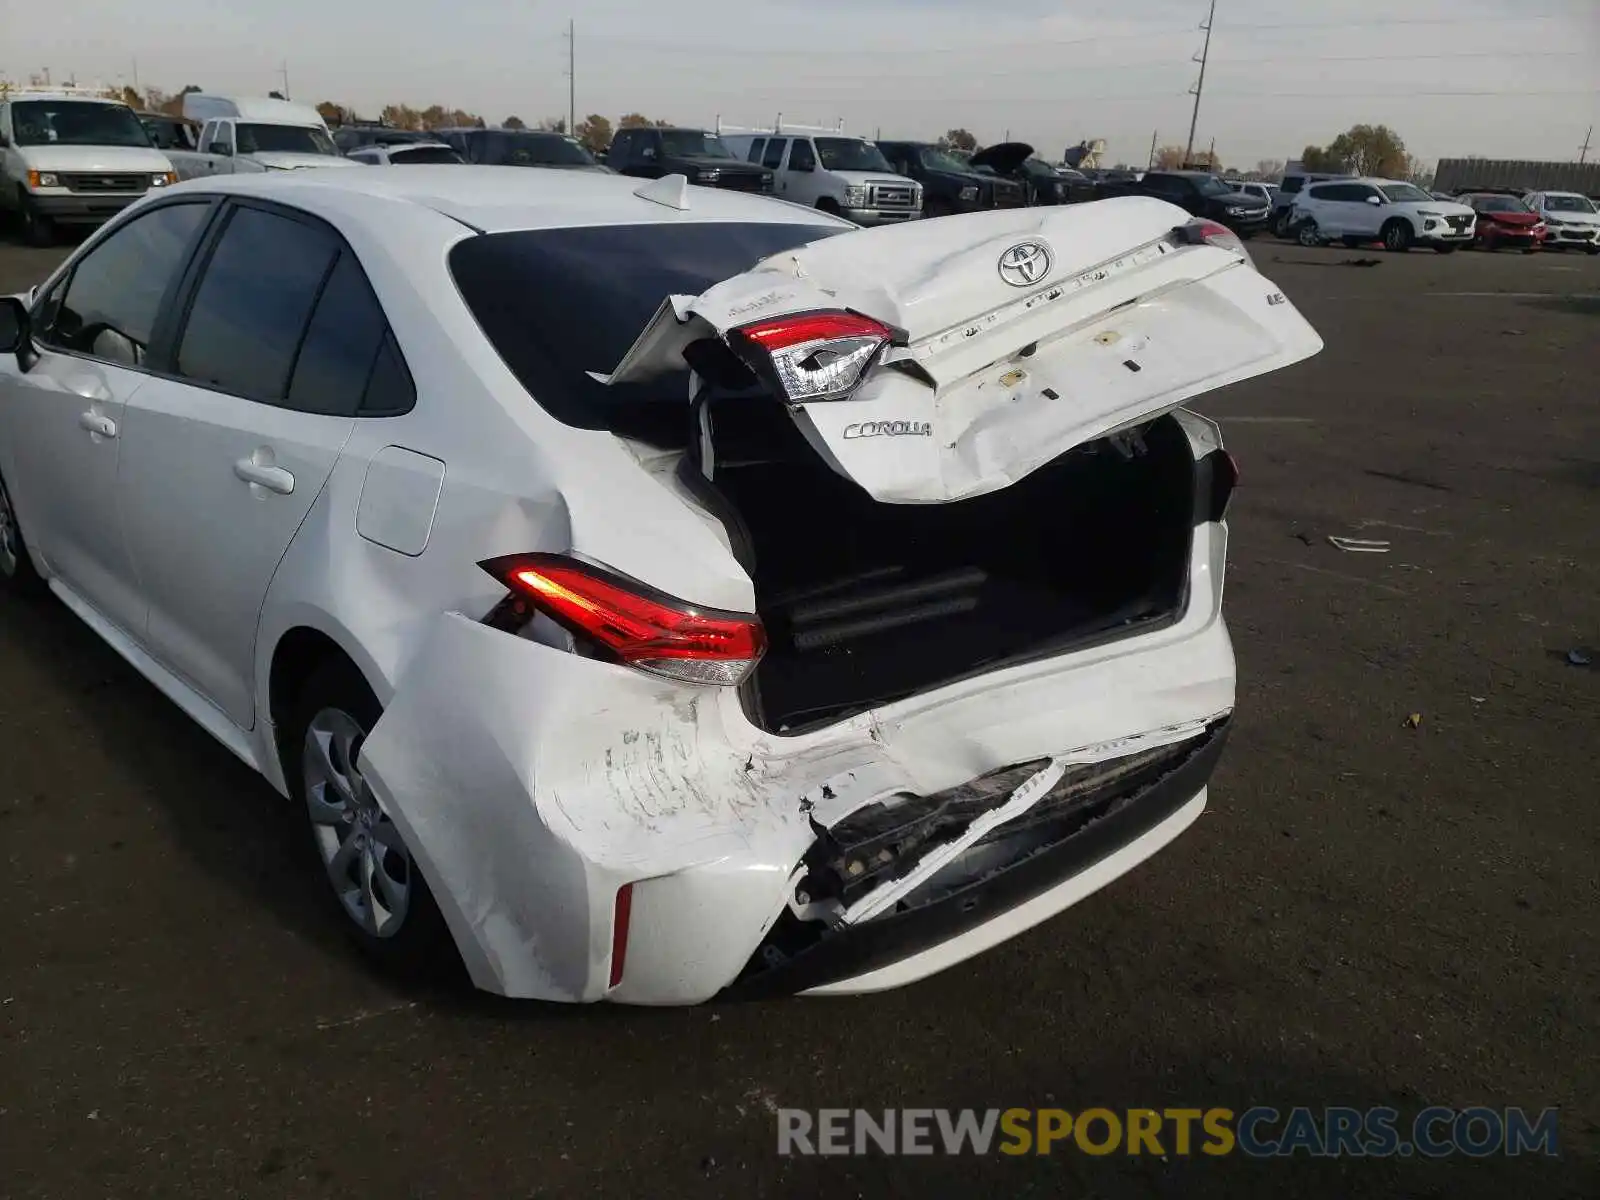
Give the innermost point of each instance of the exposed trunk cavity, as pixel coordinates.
(866, 602)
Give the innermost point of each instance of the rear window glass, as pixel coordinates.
(559, 303)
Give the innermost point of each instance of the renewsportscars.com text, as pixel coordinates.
(1258, 1132)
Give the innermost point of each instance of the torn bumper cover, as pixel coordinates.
(1139, 804)
(533, 784)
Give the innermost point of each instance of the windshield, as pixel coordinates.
(1506, 204)
(509, 148)
(424, 154)
(283, 139)
(690, 143)
(169, 133)
(938, 160)
(75, 123)
(1404, 193)
(1210, 185)
(1568, 204)
(559, 303)
(850, 154)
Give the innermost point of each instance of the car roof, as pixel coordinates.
(501, 199)
(62, 98)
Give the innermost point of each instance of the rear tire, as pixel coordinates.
(1397, 237)
(16, 567)
(1306, 233)
(369, 876)
(1591, 249)
(1282, 227)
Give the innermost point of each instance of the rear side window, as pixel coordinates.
(756, 149)
(774, 155)
(110, 303)
(802, 156)
(559, 303)
(341, 344)
(253, 303)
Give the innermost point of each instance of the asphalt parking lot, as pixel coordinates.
(1369, 913)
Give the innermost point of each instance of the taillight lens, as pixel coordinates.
(633, 624)
(1210, 233)
(813, 356)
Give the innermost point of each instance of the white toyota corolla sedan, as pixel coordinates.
(655, 592)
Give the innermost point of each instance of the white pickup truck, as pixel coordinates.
(72, 157)
(245, 134)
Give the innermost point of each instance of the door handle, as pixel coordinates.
(95, 423)
(274, 479)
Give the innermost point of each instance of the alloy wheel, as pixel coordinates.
(367, 862)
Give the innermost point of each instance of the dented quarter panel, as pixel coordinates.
(532, 783)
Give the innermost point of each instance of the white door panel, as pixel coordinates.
(220, 486)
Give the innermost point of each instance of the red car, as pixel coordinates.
(1505, 221)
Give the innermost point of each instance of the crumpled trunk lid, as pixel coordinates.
(1021, 335)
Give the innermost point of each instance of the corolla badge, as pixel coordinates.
(1025, 264)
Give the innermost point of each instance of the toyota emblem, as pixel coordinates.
(1025, 264)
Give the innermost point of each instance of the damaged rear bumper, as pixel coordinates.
(532, 785)
(1121, 825)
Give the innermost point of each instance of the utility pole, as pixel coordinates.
(1150, 166)
(1583, 154)
(1200, 85)
(572, 78)
(136, 75)
(1211, 155)
(284, 71)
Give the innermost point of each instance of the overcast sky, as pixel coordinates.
(1049, 73)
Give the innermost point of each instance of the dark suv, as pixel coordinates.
(701, 157)
(948, 184)
(518, 148)
(1201, 194)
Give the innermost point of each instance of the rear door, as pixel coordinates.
(1359, 216)
(995, 343)
(225, 456)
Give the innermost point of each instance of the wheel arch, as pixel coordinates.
(297, 652)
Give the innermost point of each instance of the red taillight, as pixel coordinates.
(634, 624)
(814, 356)
(1210, 233)
(619, 932)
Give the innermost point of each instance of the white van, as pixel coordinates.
(245, 134)
(72, 158)
(832, 171)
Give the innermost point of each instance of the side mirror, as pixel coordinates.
(223, 148)
(1374, 200)
(16, 331)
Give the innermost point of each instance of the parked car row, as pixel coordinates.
(1356, 211)
(79, 158)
